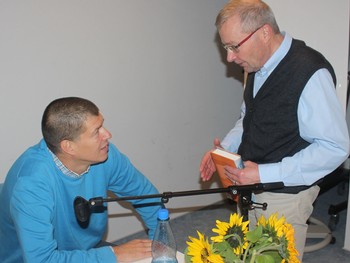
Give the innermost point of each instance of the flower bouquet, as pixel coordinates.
(271, 241)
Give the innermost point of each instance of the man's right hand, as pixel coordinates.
(133, 250)
(207, 166)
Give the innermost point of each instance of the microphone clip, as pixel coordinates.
(246, 204)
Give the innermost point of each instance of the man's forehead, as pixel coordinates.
(93, 120)
(230, 30)
(233, 22)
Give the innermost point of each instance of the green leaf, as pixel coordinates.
(229, 256)
(187, 257)
(274, 255)
(265, 259)
(221, 247)
(255, 234)
(225, 251)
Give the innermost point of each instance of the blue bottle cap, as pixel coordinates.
(163, 214)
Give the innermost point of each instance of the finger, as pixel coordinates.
(217, 143)
(143, 243)
(209, 169)
(205, 167)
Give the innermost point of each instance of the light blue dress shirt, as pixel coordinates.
(321, 123)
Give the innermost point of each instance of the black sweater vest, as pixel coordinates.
(271, 130)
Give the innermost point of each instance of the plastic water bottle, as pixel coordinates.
(163, 245)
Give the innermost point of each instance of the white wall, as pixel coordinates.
(154, 69)
(152, 66)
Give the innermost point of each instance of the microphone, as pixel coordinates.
(83, 208)
(82, 211)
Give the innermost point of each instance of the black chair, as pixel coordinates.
(342, 184)
(318, 231)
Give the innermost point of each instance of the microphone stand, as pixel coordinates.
(83, 208)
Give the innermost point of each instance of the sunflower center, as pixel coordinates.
(204, 255)
(233, 240)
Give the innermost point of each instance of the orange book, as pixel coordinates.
(222, 158)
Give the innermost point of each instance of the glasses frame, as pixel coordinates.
(234, 48)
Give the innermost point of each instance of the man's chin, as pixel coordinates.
(100, 160)
(104, 159)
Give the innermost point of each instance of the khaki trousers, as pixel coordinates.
(297, 208)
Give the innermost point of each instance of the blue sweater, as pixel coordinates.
(37, 220)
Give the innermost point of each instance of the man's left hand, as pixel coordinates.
(248, 175)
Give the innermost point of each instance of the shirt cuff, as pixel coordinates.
(269, 173)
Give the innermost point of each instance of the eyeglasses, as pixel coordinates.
(234, 48)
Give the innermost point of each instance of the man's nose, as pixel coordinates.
(231, 56)
(106, 134)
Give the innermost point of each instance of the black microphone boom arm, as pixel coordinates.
(82, 207)
(97, 201)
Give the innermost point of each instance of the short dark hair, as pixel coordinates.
(64, 119)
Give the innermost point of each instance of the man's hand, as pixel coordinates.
(248, 175)
(207, 166)
(133, 250)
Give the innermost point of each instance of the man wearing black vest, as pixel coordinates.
(292, 128)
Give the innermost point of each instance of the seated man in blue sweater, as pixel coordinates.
(37, 220)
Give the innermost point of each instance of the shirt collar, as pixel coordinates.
(276, 58)
(64, 169)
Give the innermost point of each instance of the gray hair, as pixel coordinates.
(252, 13)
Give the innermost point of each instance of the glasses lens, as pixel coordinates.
(231, 48)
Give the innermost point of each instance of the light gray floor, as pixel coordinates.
(204, 220)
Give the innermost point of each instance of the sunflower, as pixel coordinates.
(200, 251)
(288, 245)
(271, 241)
(232, 232)
(272, 226)
(281, 233)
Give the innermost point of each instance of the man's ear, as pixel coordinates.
(267, 32)
(67, 147)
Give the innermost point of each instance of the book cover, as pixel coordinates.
(222, 158)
